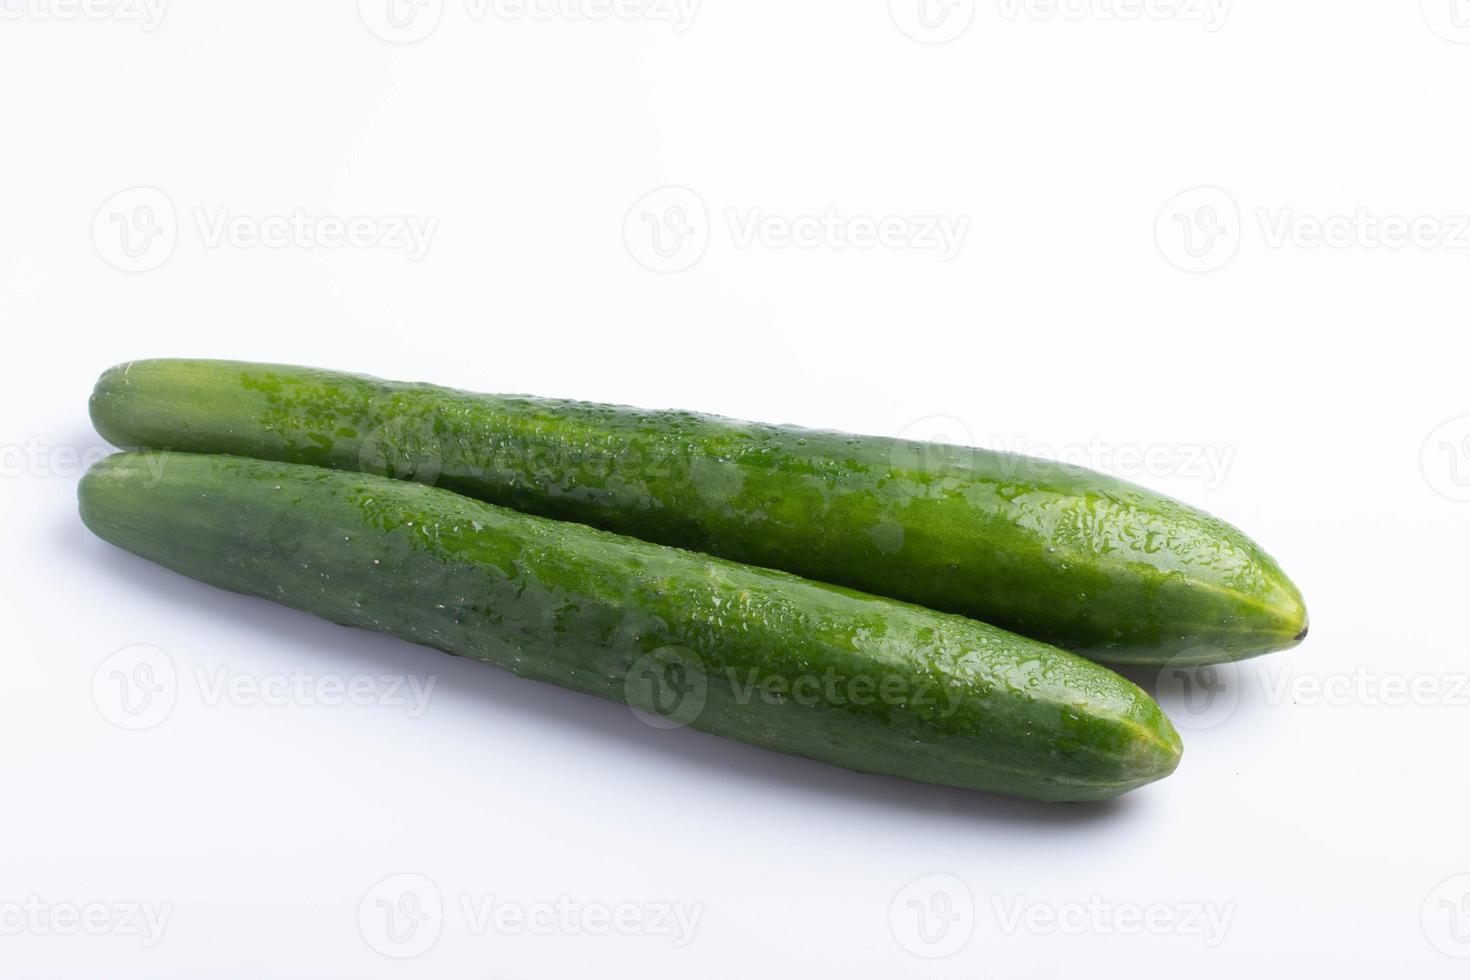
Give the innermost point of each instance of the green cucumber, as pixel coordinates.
(752, 654)
(1067, 556)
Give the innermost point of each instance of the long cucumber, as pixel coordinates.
(752, 654)
(1067, 556)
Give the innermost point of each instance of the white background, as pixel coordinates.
(1099, 304)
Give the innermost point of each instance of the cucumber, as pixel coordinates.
(1070, 557)
(752, 654)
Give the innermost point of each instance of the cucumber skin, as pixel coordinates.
(1070, 557)
(969, 705)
